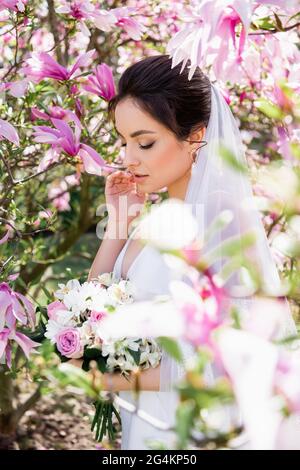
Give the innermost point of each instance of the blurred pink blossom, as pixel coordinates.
(14, 307)
(7, 335)
(7, 131)
(41, 65)
(15, 5)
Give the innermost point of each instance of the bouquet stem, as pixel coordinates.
(103, 420)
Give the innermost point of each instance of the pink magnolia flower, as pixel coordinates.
(51, 155)
(192, 252)
(78, 9)
(268, 318)
(69, 344)
(201, 306)
(59, 195)
(14, 306)
(64, 139)
(81, 10)
(47, 214)
(41, 65)
(7, 131)
(133, 28)
(5, 238)
(211, 32)
(250, 362)
(288, 433)
(102, 82)
(106, 20)
(287, 379)
(284, 143)
(198, 324)
(58, 192)
(15, 5)
(56, 112)
(16, 88)
(103, 19)
(9, 334)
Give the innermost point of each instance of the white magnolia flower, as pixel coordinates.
(76, 302)
(121, 293)
(249, 359)
(119, 347)
(125, 363)
(86, 332)
(65, 288)
(99, 301)
(143, 319)
(52, 329)
(88, 297)
(170, 225)
(106, 279)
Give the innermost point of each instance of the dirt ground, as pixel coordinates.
(59, 421)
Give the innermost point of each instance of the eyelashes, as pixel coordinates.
(144, 147)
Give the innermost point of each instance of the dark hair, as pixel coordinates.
(182, 105)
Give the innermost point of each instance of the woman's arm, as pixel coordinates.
(123, 206)
(149, 379)
(113, 241)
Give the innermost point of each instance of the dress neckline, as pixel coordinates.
(122, 254)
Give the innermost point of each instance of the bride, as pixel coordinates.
(162, 118)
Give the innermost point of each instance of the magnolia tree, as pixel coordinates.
(60, 62)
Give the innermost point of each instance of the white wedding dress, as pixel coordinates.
(150, 276)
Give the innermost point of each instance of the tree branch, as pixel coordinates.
(54, 30)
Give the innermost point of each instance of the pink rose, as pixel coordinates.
(97, 316)
(53, 307)
(69, 344)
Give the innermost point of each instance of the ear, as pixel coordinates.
(195, 138)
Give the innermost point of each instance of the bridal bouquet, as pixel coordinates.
(74, 327)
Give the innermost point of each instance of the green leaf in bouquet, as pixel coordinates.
(110, 308)
(136, 355)
(171, 347)
(42, 312)
(101, 363)
(38, 334)
(93, 354)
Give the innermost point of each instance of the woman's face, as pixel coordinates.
(157, 153)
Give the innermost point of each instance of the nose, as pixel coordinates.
(130, 161)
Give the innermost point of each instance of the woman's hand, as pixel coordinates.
(76, 362)
(126, 208)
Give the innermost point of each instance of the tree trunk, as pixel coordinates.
(7, 411)
(10, 415)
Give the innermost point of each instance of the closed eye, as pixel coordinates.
(144, 147)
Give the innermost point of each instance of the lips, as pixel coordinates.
(140, 178)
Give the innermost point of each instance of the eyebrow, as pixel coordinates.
(136, 133)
